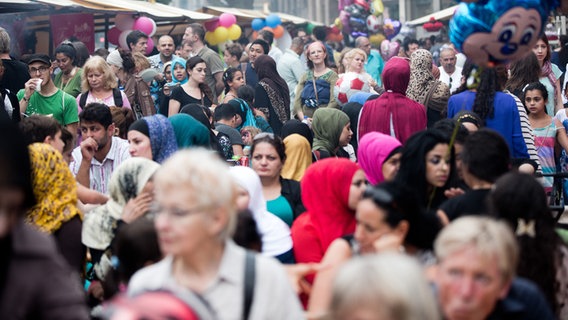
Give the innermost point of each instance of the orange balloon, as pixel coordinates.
(278, 31)
(269, 29)
(254, 35)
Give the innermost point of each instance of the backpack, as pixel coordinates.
(315, 94)
(116, 94)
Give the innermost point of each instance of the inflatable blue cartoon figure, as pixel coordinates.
(492, 32)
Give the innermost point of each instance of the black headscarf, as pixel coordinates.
(296, 126)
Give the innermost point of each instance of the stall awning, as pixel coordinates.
(154, 10)
(245, 15)
(445, 14)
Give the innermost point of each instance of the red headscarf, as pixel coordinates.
(325, 194)
(408, 116)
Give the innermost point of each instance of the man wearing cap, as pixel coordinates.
(41, 96)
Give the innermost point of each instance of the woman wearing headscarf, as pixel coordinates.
(56, 211)
(219, 142)
(331, 190)
(177, 77)
(130, 191)
(152, 137)
(275, 234)
(296, 126)
(332, 131)
(271, 93)
(393, 113)
(298, 139)
(189, 132)
(379, 156)
(424, 88)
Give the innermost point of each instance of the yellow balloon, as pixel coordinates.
(338, 23)
(376, 39)
(209, 37)
(221, 34)
(234, 32)
(377, 7)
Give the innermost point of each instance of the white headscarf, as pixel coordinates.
(126, 182)
(275, 233)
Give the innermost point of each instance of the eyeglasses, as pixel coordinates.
(264, 135)
(41, 70)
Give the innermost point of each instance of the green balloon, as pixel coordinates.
(309, 28)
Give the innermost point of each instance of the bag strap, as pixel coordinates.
(315, 88)
(250, 269)
(117, 97)
(83, 99)
(430, 93)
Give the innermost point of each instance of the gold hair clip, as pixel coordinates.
(525, 228)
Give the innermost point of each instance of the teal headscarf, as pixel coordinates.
(189, 132)
(327, 124)
(176, 61)
(245, 112)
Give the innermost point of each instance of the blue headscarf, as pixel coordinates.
(176, 61)
(189, 132)
(162, 137)
(245, 113)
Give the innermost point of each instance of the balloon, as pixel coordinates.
(146, 25)
(376, 39)
(269, 29)
(273, 21)
(254, 35)
(309, 28)
(373, 23)
(113, 34)
(122, 39)
(341, 4)
(344, 17)
(377, 7)
(150, 46)
(389, 49)
(494, 32)
(278, 32)
(257, 24)
(124, 22)
(338, 23)
(234, 32)
(226, 20)
(209, 36)
(211, 25)
(221, 34)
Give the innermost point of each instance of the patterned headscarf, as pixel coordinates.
(54, 187)
(162, 137)
(126, 182)
(422, 80)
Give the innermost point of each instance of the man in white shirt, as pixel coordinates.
(450, 74)
(290, 67)
(100, 151)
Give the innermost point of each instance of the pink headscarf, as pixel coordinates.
(374, 148)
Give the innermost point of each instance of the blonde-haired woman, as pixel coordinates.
(100, 85)
(354, 63)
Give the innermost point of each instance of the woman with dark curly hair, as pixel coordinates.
(481, 93)
(520, 200)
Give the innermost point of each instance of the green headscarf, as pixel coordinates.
(327, 124)
(189, 132)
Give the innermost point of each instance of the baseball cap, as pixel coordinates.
(39, 57)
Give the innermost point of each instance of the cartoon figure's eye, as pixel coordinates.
(528, 34)
(507, 33)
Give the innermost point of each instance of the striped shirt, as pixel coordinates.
(527, 130)
(100, 172)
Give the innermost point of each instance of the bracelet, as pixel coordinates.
(26, 99)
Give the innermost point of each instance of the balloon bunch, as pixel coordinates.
(432, 25)
(272, 23)
(363, 18)
(125, 23)
(221, 29)
(492, 32)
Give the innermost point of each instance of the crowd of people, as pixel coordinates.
(191, 184)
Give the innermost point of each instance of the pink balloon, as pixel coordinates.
(122, 39)
(124, 22)
(113, 34)
(226, 20)
(211, 25)
(146, 25)
(150, 46)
